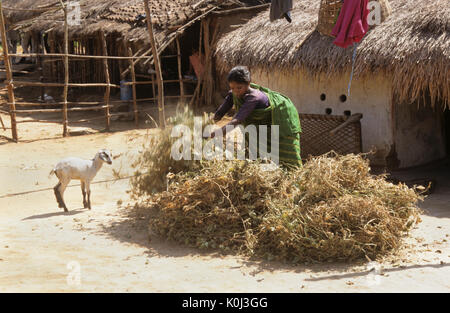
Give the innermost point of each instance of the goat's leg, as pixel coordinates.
(58, 195)
(83, 190)
(62, 187)
(88, 191)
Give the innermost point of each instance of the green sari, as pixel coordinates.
(281, 112)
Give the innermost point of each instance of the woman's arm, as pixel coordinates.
(224, 108)
(247, 108)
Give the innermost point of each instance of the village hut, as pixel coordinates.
(401, 81)
(181, 28)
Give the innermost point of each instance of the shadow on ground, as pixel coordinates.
(59, 213)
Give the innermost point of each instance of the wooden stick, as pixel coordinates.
(95, 108)
(79, 56)
(9, 77)
(3, 125)
(208, 60)
(108, 88)
(162, 119)
(133, 78)
(180, 31)
(153, 86)
(66, 71)
(124, 73)
(242, 9)
(38, 121)
(206, 23)
(180, 73)
(38, 84)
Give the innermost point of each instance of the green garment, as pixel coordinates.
(281, 112)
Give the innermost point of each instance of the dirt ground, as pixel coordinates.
(107, 249)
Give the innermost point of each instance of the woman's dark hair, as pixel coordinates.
(239, 74)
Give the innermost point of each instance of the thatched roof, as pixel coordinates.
(412, 47)
(22, 9)
(125, 16)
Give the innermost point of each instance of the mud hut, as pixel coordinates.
(401, 83)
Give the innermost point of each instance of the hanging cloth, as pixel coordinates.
(280, 9)
(352, 24)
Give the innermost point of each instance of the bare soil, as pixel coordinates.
(42, 249)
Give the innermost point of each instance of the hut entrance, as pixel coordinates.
(447, 130)
(421, 132)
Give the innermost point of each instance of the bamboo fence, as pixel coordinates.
(77, 53)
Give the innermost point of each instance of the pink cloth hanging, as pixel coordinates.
(352, 23)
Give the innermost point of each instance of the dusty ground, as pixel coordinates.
(43, 249)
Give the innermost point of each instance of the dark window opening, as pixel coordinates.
(343, 98)
(447, 129)
(323, 97)
(347, 112)
(328, 111)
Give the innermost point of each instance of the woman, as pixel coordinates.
(257, 105)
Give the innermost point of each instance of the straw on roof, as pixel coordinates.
(127, 17)
(412, 47)
(23, 9)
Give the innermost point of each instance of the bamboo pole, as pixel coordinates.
(125, 72)
(133, 79)
(180, 73)
(79, 56)
(153, 86)
(66, 71)
(206, 44)
(51, 40)
(39, 84)
(208, 60)
(162, 119)
(107, 78)
(9, 77)
(94, 108)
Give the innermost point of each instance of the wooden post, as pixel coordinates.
(153, 87)
(133, 79)
(180, 73)
(108, 81)
(162, 118)
(66, 71)
(41, 49)
(9, 77)
(207, 54)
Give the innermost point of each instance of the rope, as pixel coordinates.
(46, 189)
(353, 69)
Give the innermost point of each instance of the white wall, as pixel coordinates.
(371, 98)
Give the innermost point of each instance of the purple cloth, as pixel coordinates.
(253, 99)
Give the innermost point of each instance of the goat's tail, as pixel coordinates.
(51, 173)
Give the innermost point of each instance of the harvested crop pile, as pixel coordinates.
(331, 209)
(156, 160)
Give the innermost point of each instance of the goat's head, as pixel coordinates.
(105, 155)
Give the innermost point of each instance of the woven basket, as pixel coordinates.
(315, 138)
(329, 12)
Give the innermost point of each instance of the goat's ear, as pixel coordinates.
(103, 156)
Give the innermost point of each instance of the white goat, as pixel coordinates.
(83, 170)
